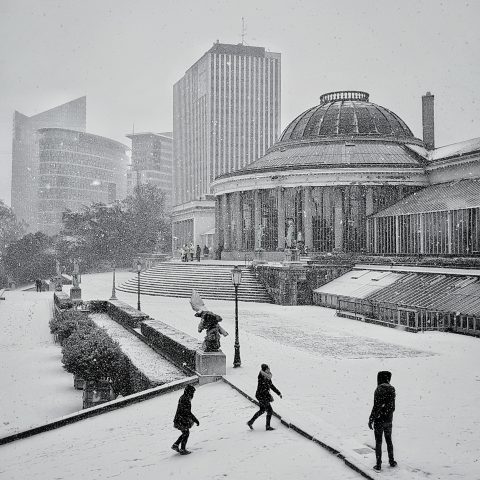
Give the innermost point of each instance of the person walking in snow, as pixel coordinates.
(184, 420)
(381, 417)
(264, 396)
(191, 249)
(198, 253)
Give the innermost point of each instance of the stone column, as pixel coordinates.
(338, 217)
(226, 224)
(258, 220)
(218, 239)
(238, 221)
(307, 201)
(397, 234)
(281, 218)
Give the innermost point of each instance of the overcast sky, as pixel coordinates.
(126, 55)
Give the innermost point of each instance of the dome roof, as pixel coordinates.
(346, 114)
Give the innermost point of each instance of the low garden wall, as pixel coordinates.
(62, 301)
(121, 312)
(177, 346)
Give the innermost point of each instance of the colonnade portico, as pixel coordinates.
(324, 218)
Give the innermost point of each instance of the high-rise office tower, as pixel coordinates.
(226, 113)
(152, 159)
(25, 153)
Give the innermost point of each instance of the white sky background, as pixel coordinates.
(126, 55)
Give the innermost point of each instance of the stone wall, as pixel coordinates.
(177, 346)
(119, 311)
(293, 283)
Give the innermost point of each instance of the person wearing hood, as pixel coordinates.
(264, 396)
(381, 417)
(184, 420)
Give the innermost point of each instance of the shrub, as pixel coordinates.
(65, 323)
(91, 354)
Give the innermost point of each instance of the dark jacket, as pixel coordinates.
(263, 394)
(184, 418)
(383, 399)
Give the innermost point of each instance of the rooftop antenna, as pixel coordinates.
(244, 31)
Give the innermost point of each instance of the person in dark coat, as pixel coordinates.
(264, 396)
(38, 284)
(184, 420)
(198, 253)
(381, 417)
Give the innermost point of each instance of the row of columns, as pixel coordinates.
(228, 218)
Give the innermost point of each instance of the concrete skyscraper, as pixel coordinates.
(152, 159)
(226, 114)
(25, 153)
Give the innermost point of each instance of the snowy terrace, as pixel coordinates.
(326, 368)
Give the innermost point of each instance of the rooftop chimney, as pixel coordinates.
(428, 121)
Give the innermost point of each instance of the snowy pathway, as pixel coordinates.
(34, 386)
(326, 368)
(134, 442)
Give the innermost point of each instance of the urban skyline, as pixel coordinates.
(386, 51)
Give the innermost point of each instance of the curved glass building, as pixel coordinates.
(77, 169)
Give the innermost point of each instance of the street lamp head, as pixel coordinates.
(139, 266)
(236, 276)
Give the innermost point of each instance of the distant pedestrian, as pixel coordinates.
(381, 418)
(264, 396)
(191, 249)
(206, 251)
(198, 253)
(184, 420)
(38, 284)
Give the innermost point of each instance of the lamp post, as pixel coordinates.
(236, 280)
(113, 297)
(139, 269)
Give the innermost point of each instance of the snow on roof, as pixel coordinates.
(150, 363)
(359, 283)
(413, 269)
(460, 148)
(447, 151)
(457, 195)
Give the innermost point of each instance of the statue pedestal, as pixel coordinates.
(76, 294)
(210, 366)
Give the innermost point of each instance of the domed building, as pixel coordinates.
(333, 167)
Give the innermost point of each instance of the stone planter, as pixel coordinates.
(78, 383)
(95, 393)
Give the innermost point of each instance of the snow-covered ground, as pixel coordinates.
(134, 442)
(34, 386)
(326, 368)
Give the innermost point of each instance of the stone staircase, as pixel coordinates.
(174, 279)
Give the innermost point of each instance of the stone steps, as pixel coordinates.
(173, 279)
